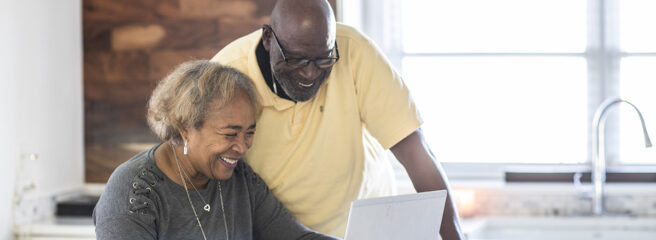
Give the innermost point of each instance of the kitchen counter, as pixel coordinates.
(580, 227)
(77, 228)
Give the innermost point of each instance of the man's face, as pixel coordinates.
(301, 64)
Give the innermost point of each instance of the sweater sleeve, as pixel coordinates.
(271, 220)
(126, 209)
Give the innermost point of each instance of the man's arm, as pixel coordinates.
(427, 175)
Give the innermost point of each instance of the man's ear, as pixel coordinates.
(266, 37)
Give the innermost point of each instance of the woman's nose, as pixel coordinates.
(241, 145)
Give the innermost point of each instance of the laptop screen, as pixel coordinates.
(412, 216)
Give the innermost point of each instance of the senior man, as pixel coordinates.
(332, 104)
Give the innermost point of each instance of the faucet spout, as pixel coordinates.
(599, 161)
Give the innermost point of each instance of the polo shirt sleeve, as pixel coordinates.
(386, 107)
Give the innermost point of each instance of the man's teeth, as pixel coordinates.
(228, 160)
(305, 85)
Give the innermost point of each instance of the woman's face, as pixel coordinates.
(216, 147)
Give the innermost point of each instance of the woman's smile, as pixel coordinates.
(229, 162)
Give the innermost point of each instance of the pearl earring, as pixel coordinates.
(184, 150)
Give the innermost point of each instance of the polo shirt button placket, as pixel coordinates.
(296, 119)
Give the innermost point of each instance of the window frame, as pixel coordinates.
(381, 21)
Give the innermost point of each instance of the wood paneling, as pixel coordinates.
(115, 67)
(216, 9)
(129, 45)
(130, 10)
(163, 61)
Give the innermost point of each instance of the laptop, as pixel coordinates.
(412, 216)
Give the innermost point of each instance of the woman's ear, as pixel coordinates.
(184, 135)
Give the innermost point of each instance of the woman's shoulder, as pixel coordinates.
(130, 198)
(138, 172)
(133, 187)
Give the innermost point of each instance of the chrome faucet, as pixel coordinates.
(599, 160)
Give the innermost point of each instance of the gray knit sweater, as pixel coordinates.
(140, 202)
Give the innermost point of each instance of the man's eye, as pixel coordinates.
(323, 61)
(296, 61)
(230, 135)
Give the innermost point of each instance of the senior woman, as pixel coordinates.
(195, 185)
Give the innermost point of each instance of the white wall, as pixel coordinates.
(7, 119)
(40, 99)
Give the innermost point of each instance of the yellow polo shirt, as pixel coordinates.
(318, 156)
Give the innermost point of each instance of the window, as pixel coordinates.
(518, 81)
(637, 77)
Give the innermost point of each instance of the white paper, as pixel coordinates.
(413, 216)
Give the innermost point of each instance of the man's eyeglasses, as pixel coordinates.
(302, 62)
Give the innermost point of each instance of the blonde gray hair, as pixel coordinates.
(183, 98)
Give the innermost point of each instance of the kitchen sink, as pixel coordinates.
(580, 228)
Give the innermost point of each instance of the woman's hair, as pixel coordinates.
(183, 98)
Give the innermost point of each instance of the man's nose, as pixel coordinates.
(310, 71)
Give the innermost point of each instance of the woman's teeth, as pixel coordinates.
(230, 161)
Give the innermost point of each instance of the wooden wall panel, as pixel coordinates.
(129, 45)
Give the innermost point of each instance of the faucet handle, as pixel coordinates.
(581, 192)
